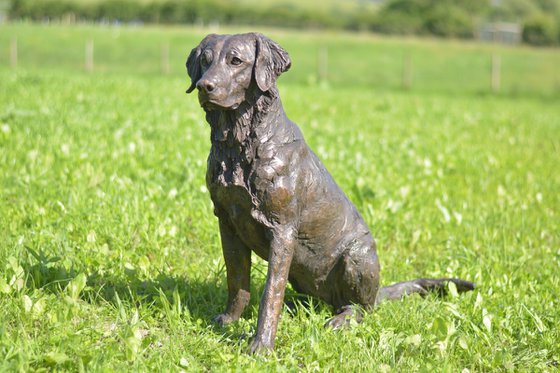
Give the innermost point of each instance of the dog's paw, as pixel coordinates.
(338, 322)
(223, 319)
(259, 347)
(345, 317)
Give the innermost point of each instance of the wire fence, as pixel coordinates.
(413, 68)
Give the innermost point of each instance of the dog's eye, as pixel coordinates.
(236, 61)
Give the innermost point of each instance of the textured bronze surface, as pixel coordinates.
(273, 196)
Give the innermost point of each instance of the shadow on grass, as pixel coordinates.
(202, 299)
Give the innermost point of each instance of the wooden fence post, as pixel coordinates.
(322, 64)
(407, 72)
(496, 72)
(13, 53)
(89, 56)
(165, 58)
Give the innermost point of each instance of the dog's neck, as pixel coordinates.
(238, 130)
(236, 135)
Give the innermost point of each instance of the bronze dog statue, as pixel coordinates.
(272, 195)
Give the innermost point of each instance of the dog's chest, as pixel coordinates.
(237, 185)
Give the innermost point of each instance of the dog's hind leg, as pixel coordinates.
(354, 283)
(421, 286)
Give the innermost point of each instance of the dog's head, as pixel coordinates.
(224, 67)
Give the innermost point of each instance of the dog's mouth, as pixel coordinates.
(209, 104)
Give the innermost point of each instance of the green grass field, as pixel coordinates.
(110, 257)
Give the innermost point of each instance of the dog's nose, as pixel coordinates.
(205, 85)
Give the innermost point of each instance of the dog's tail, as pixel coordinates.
(422, 286)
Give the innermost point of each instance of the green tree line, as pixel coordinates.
(540, 19)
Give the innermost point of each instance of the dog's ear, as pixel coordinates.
(193, 62)
(271, 60)
(193, 67)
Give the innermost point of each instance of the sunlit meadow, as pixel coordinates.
(110, 256)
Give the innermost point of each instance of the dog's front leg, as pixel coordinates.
(238, 265)
(280, 257)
